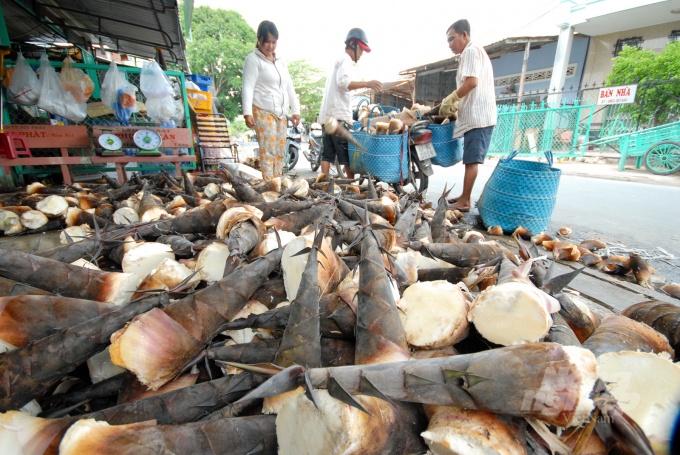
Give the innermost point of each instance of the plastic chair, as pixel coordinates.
(8, 148)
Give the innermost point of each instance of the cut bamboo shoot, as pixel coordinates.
(454, 430)
(142, 259)
(34, 219)
(433, 314)
(101, 367)
(76, 233)
(211, 261)
(647, 387)
(53, 206)
(332, 272)
(336, 428)
(167, 275)
(125, 215)
(513, 313)
(270, 243)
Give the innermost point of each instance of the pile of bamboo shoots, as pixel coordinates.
(312, 316)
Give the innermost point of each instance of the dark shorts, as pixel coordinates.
(476, 145)
(334, 146)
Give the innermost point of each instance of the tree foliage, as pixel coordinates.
(221, 41)
(309, 83)
(634, 65)
(238, 127)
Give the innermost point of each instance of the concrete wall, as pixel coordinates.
(599, 62)
(539, 59)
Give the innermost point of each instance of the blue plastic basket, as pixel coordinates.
(382, 157)
(449, 150)
(199, 79)
(520, 193)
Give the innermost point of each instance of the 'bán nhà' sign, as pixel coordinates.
(621, 94)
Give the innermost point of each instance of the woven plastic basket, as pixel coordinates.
(520, 193)
(382, 157)
(449, 150)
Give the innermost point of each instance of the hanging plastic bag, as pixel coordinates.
(54, 99)
(119, 94)
(75, 81)
(153, 81)
(24, 88)
(179, 113)
(160, 110)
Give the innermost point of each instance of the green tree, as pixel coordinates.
(238, 127)
(634, 65)
(309, 83)
(221, 41)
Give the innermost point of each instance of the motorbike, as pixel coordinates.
(420, 153)
(315, 141)
(293, 139)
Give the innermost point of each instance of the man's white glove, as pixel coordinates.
(449, 105)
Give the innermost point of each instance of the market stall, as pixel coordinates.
(95, 85)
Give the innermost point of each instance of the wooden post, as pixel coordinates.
(524, 73)
(65, 171)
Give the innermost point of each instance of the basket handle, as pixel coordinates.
(548, 155)
(370, 116)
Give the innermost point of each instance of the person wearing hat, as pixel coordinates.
(337, 98)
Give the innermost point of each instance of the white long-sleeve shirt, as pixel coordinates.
(268, 85)
(337, 98)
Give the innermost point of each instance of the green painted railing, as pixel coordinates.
(534, 128)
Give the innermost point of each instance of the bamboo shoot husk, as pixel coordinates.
(143, 346)
(66, 279)
(618, 333)
(31, 317)
(237, 436)
(661, 316)
(524, 381)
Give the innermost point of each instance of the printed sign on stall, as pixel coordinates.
(621, 94)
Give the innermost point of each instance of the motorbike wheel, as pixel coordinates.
(293, 154)
(419, 180)
(315, 161)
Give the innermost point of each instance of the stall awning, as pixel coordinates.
(506, 46)
(129, 27)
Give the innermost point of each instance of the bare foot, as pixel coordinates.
(459, 206)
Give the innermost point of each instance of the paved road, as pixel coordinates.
(636, 214)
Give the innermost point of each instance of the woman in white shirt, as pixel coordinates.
(268, 93)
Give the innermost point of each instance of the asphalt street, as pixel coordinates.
(634, 215)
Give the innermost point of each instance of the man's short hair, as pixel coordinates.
(460, 26)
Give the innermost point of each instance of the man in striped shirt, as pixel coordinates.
(475, 101)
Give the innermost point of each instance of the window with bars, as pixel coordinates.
(675, 34)
(636, 41)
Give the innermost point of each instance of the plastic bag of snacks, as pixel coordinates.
(54, 98)
(24, 88)
(153, 81)
(118, 94)
(75, 81)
